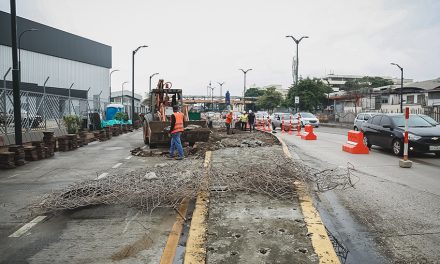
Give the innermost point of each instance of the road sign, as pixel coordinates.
(296, 99)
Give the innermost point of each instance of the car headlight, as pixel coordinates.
(413, 137)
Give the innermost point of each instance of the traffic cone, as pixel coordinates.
(290, 124)
(264, 124)
(269, 127)
(298, 127)
(282, 124)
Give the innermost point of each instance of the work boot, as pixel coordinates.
(170, 157)
(179, 158)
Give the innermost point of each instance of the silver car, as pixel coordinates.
(277, 118)
(307, 118)
(360, 119)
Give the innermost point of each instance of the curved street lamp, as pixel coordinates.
(110, 94)
(132, 78)
(401, 85)
(297, 41)
(221, 88)
(19, 47)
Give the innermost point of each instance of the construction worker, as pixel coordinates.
(251, 119)
(244, 120)
(176, 130)
(228, 122)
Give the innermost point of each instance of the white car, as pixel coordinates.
(307, 119)
(360, 119)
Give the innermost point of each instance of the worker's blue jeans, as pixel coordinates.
(176, 144)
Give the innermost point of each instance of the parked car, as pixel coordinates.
(430, 120)
(276, 120)
(360, 119)
(386, 130)
(307, 119)
(25, 118)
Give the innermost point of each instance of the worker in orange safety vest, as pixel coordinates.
(176, 130)
(228, 122)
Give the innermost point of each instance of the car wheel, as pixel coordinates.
(302, 124)
(355, 128)
(273, 127)
(367, 142)
(437, 154)
(397, 147)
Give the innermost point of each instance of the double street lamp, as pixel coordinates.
(401, 85)
(110, 94)
(221, 86)
(244, 73)
(132, 79)
(295, 72)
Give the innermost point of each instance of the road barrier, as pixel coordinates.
(269, 125)
(282, 124)
(298, 127)
(290, 124)
(308, 133)
(355, 143)
(405, 163)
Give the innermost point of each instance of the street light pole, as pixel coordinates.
(297, 41)
(212, 96)
(132, 79)
(149, 92)
(221, 88)
(19, 47)
(244, 86)
(110, 94)
(122, 95)
(401, 86)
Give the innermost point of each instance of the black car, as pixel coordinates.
(386, 130)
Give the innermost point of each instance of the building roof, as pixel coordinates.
(433, 84)
(126, 94)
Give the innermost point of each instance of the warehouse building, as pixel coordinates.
(61, 73)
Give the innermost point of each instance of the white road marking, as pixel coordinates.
(129, 157)
(103, 175)
(129, 222)
(12, 176)
(116, 165)
(28, 226)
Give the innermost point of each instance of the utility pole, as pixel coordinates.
(297, 41)
(15, 77)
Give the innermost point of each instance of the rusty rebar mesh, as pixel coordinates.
(275, 176)
(147, 189)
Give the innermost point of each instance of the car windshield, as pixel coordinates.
(307, 115)
(429, 119)
(414, 121)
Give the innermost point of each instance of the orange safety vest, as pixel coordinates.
(229, 118)
(178, 127)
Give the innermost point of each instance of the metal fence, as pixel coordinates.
(42, 111)
(349, 116)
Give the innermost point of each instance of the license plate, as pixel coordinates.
(434, 147)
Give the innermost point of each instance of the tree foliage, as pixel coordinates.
(365, 82)
(312, 94)
(254, 92)
(270, 99)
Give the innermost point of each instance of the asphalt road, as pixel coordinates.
(391, 214)
(99, 234)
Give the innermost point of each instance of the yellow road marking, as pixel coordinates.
(320, 240)
(195, 247)
(169, 251)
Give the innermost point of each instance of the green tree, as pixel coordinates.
(253, 92)
(312, 94)
(374, 82)
(270, 99)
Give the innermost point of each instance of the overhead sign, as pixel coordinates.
(296, 99)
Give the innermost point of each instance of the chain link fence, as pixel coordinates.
(42, 111)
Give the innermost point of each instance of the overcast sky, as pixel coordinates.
(194, 42)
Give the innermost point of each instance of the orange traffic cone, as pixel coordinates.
(290, 125)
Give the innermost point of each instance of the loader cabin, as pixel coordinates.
(156, 123)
